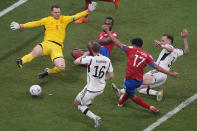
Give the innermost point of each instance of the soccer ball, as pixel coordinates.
(35, 90)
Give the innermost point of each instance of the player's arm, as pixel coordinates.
(114, 39)
(109, 76)
(91, 8)
(78, 60)
(184, 35)
(15, 26)
(174, 74)
(168, 48)
(104, 41)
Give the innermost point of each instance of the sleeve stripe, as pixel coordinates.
(124, 48)
(74, 18)
(152, 64)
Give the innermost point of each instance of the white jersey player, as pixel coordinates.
(167, 57)
(98, 66)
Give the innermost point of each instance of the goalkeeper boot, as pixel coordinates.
(43, 74)
(116, 3)
(116, 90)
(97, 122)
(154, 110)
(19, 62)
(81, 20)
(159, 95)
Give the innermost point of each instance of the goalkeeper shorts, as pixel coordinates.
(51, 49)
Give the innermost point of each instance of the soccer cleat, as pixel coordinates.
(116, 3)
(154, 110)
(97, 122)
(43, 74)
(159, 95)
(116, 90)
(81, 20)
(120, 105)
(19, 62)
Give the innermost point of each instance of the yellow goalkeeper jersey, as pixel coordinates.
(55, 30)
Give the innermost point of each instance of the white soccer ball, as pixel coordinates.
(35, 90)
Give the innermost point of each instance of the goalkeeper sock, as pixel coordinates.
(27, 58)
(140, 102)
(54, 70)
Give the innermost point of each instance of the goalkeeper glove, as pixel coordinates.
(15, 26)
(92, 6)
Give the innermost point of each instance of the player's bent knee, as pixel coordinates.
(76, 103)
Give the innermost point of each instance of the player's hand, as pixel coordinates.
(14, 25)
(105, 28)
(158, 43)
(92, 6)
(175, 74)
(184, 33)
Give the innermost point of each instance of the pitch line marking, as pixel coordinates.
(5, 11)
(171, 113)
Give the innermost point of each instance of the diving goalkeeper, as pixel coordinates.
(55, 33)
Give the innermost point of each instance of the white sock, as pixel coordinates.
(152, 92)
(144, 91)
(82, 108)
(91, 115)
(86, 111)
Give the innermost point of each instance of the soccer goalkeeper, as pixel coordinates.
(55, 33)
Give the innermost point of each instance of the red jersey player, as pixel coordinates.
(137, 59)
(103, 39)
(87, 2)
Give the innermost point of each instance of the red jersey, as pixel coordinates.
(137, 60)
(104, 35)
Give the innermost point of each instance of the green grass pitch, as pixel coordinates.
(148, 19)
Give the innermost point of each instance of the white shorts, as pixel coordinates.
(86, 97)
(158, 78)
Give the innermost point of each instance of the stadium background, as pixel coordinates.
(146, 19)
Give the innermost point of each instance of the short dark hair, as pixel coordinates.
(170, 37)
(110, 18)
(137, 41)
(54, 6)
(96, 47)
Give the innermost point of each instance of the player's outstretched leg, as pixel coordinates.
(85, 110)
(19, 62)
(142, 103)
(123, 99)
(43, 74)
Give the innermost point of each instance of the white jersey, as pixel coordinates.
(166, 58)
(97, 67)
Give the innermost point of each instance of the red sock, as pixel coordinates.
(107, 0)
(123, 99)
(140, 102)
